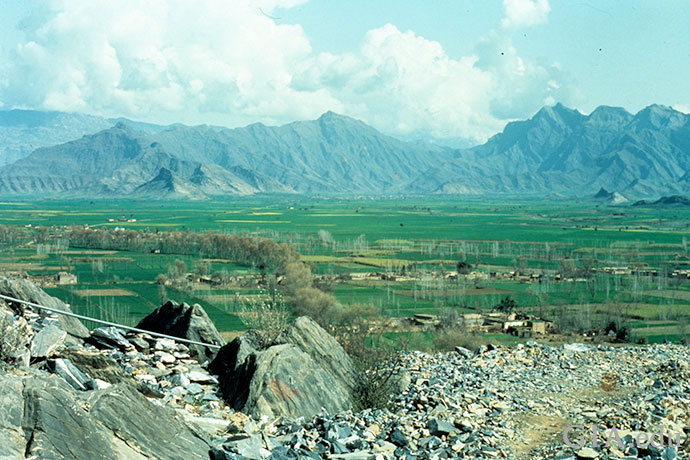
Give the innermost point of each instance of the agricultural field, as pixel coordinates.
(585, 260)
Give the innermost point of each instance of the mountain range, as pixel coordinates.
(557, 151)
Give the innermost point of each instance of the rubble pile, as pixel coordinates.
(138, 396)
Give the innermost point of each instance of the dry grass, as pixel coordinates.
(456, 292)
(105, 293)
(669, 294)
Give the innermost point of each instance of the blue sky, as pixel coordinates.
(442, 69)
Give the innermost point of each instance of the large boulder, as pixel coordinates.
(28, 291)
(156, 431)
(304, 373)
(44, 418)
(55, 424)
(185, 322)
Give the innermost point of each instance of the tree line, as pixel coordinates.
(259, 252)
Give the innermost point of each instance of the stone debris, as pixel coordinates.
(73, 376)
(147, 397)
(513, 403)
(186, 322)
(110, 337)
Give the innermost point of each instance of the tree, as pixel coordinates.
(162, 294)
(325, 237)
(463, 267)
(179, 269)
(506, 305)
(202, 267)
(297, 276)
(587, 272)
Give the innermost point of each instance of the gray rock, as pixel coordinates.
(140, 343)
(194, 388)
(55, 425)
(439, 427)
(464, 352)
(209, 425)
(305, 373)
(15, 338)
(47, 341)
(577, 347)
(43, 418)
(12, 442)
(28, 291)
(155, 430)
(201, 377)
(249, 446)
(186, 322)
(97, 366)
(111, 337)
(218, 453)
(587, 453)
(398, 438)
(76, 378)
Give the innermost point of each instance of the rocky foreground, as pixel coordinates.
(70, 393)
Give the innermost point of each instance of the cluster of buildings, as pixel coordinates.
(517, 324)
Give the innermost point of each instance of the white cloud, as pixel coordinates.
(521, 87)
(525, 13)
(406, 83)
(180, 61)
(214, 61)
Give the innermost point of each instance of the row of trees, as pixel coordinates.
(255, 251)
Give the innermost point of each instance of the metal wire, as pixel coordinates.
(108, 323)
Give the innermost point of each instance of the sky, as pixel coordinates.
(458, 69)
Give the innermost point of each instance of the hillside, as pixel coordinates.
(333, 154)
(561, 150)
(122, 161)
(109, 393)
(22, 131)
(672, 201)
(557, 151)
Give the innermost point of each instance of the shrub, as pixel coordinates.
(621, 329)
(449, 318)
(321, 307)
(447, 339)
(267, 317)
(463, 267)
(376, 368)
(506, 305)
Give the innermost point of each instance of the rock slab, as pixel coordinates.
(306, 372)
(186, 322)
(28, 291)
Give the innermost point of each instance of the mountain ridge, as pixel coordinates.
(559, 150)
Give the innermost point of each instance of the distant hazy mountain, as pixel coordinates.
(23, 131)
(122, 161)
(333, 154)
(559, 152)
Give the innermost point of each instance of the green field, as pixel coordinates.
(347, 236)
